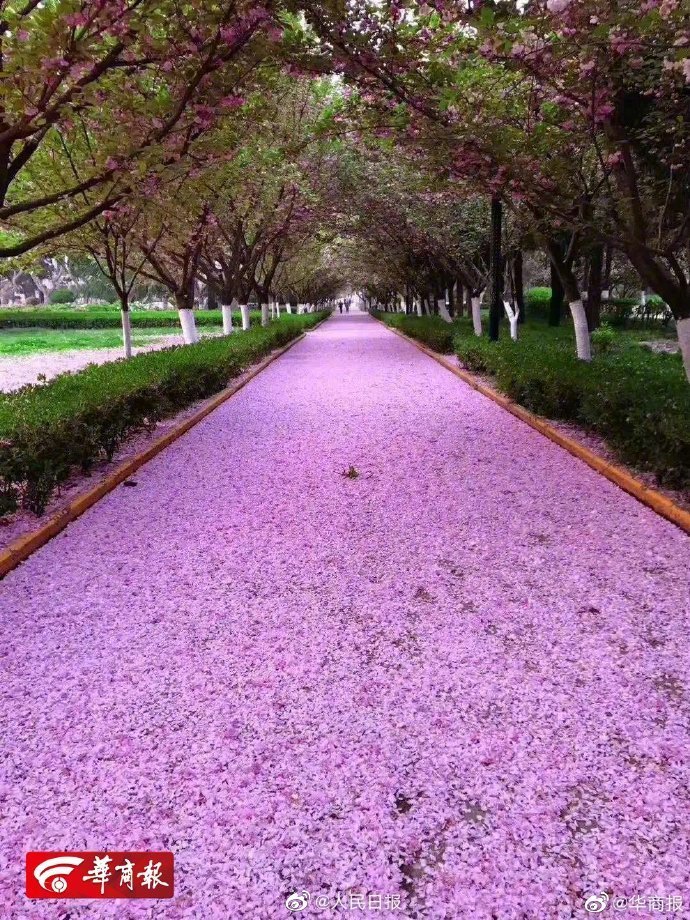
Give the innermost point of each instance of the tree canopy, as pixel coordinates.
(281, 148)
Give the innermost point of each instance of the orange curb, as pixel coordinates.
(649, 497)
(20, 550)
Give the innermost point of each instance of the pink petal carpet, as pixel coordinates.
(457, 675)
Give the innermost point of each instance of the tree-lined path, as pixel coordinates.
(457, 674)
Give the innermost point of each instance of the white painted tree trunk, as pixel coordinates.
(244, 310)
(683, 329)
(276, 304)
(605, 294)
(288, 307)
(512, 319)
(582, 340)
(643, 298)
(443, 310)
(126, 333)
(477, 315)
(226, 309)
(264, 314)
(188, 323)
(418, 305)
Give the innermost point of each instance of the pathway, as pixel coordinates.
(18, 371)
(460, 675)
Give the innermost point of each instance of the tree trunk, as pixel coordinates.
(459, 299)
(594, 287)
(265, 320)
(606, 281)
(683, 329)
(519, 286)
(570, 287)
(496, 305)
(477, 314)
(186, 314)
(582, 340)
(126, 327)
(512, 315)
(244, 310)
(443, 310)
(211, 297)
(556, 304)
(227, 310)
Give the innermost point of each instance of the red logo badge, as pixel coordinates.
(100, 875)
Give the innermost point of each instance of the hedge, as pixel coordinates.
(619, 311)
(538, 302)
(639, 402)
(108, 318)
(62, 296)
(77, 419)
(431, 330)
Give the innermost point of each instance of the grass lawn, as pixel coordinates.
(21, 342)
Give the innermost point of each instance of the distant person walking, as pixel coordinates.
(340, 305)
(347, 305)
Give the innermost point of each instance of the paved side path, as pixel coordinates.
(459, 677)
(18, 371)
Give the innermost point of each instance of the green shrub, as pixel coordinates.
(538, 302)
(62, 296)
(619, 311)
(655, 302)
(639, 402)
(431, 330)
(77, 419)
(604, 339)
(107, 318)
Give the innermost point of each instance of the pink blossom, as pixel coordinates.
(75, 20)
(233, 102)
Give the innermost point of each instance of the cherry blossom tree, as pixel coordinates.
(120, 86)
(574, 113)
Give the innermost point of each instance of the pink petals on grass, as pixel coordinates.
(459, 676)
(16, 372)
